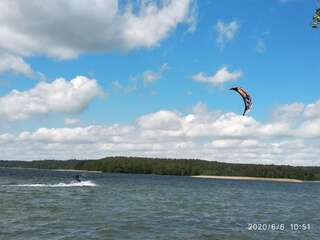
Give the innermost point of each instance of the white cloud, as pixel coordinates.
(200, 108)
(148, 77)
(192, 18)
(6, 138)
(288, 112)
(152, 76)
(160, 120)
(15, 64)
(309, 129)
(313, 110)
(71, 121)
(226, 32)
(65, 29)
(198, 134)
(58, 96)
(222, 76)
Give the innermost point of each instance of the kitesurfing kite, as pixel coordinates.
(316, 17)
(246, 98)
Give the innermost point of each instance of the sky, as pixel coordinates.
(93, 78)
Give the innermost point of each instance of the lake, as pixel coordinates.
(43, 204)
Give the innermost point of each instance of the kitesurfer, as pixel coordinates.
(77, 178)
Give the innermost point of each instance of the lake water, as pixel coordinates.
(41, 204)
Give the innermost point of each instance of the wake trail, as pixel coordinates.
(71, 184)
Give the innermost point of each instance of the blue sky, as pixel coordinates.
(270, 44)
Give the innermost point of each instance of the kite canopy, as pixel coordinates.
(246, 98)
(316, 19)
(316, 16)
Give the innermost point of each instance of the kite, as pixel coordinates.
(316, 17)
(246, 98)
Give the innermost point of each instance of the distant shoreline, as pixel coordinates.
(53, 169)
(177, 167)
(288, 180)
(250, 178)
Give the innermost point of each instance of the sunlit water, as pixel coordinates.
(40, 204)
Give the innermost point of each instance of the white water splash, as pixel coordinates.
(71, 184)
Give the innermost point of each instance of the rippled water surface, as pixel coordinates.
(41, 204)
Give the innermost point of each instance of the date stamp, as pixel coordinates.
(263, 227)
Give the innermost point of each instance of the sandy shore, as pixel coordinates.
(250, 178)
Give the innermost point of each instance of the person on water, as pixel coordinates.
(77, 177)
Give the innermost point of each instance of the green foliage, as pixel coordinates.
(179, 167)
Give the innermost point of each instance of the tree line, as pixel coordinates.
(178, 167)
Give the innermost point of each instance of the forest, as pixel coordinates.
(178, 167)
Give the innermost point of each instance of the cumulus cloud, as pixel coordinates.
(57, 96)
(64, 29)
(288, 112)
(6, 138)
(226, 32)
(222, 76)
(14, 64)
(160, 120)
(313, 110)
(200, 133)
